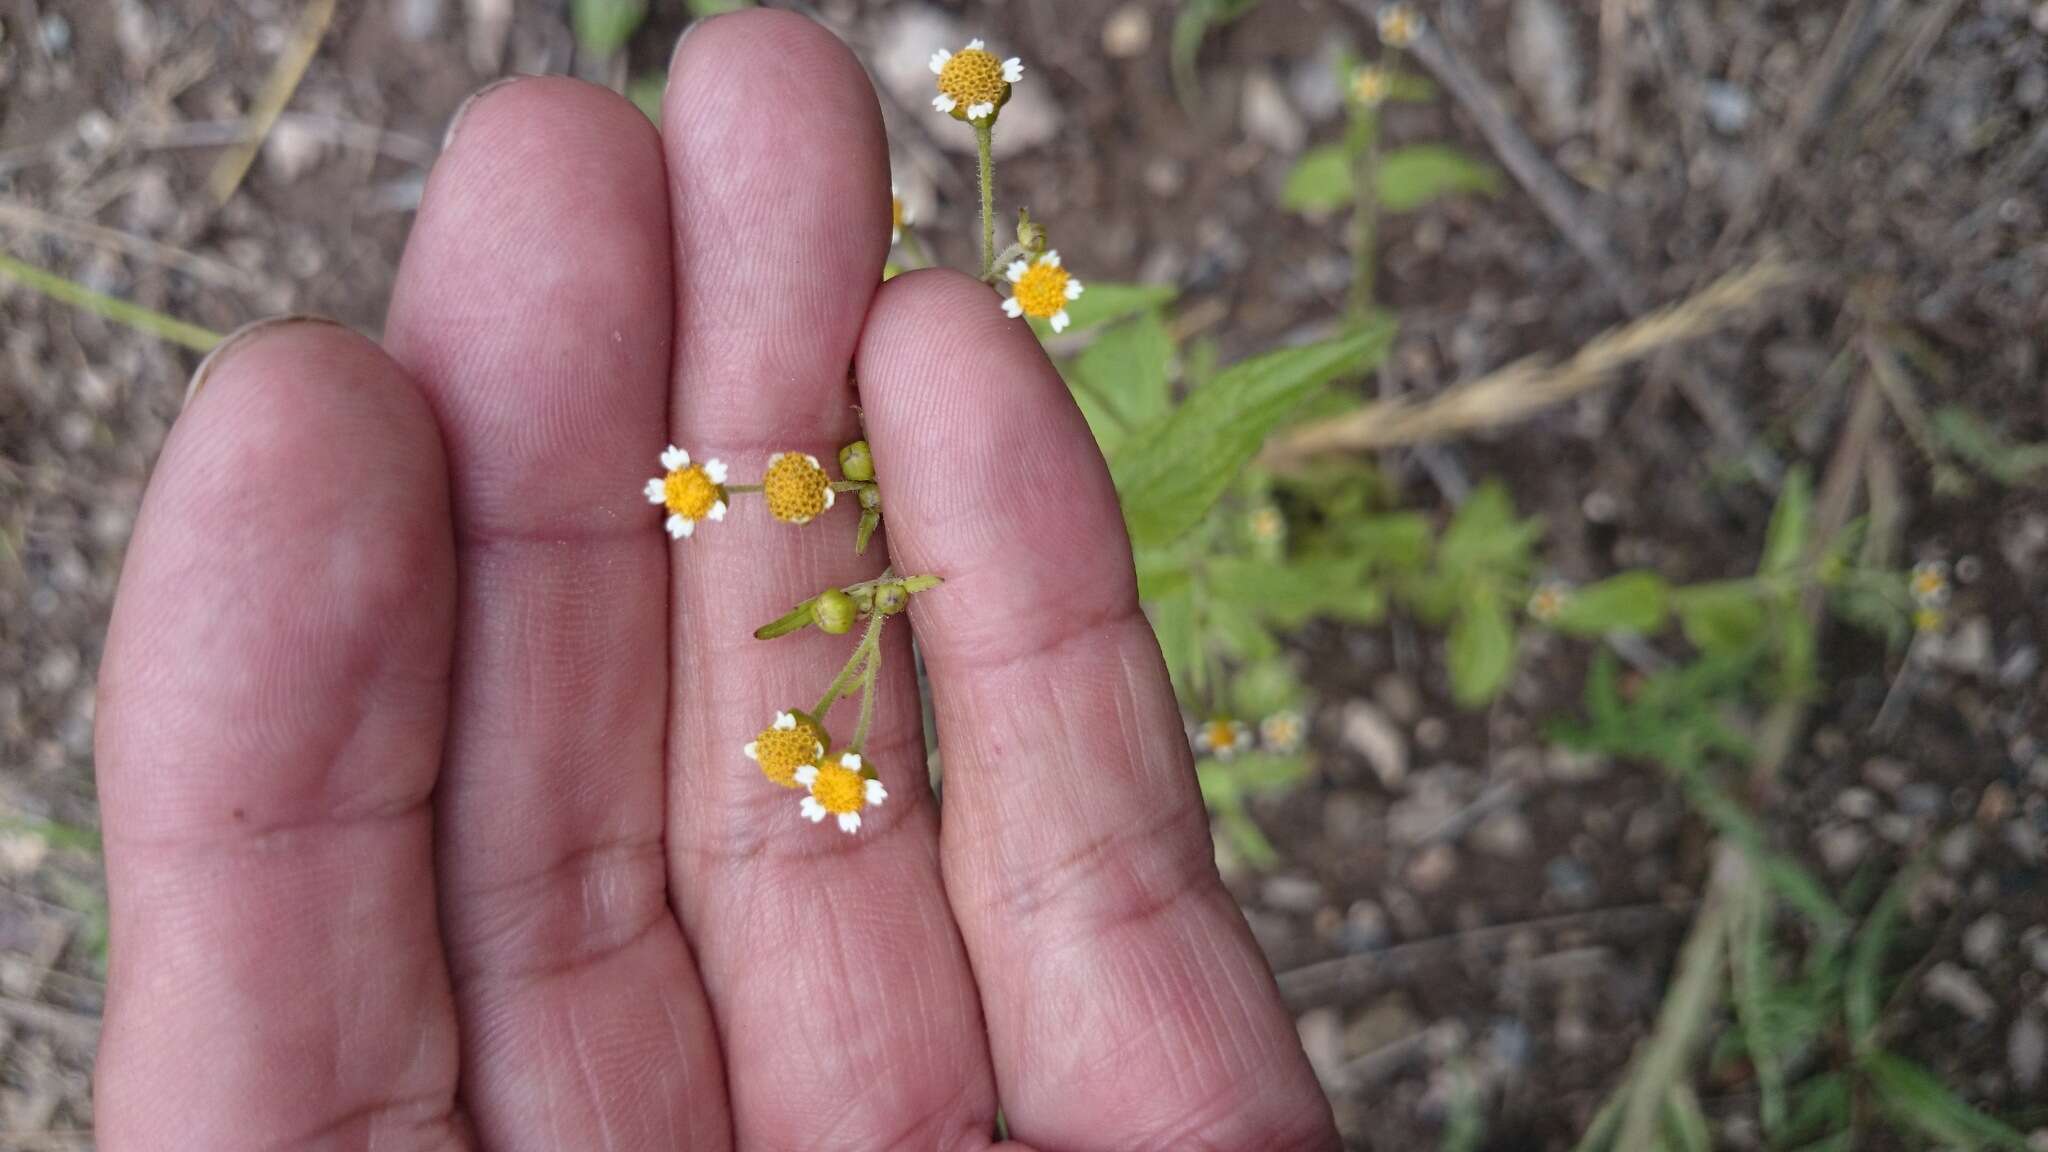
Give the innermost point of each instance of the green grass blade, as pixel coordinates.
(1863, 993)
(1749, 965)
(99, 304)
(1912, 1096)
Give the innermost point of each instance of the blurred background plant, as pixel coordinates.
(1589, 502)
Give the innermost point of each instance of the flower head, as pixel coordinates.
(899, 216)
(1929, 584)
(691, 492)
(1283, 731)
(1370, 86)
(1548, 600)
(1267, 524)
(1223, 737)
(1040, 288)
(796, 487)
(785, 746)
(840, 789)
(973, 84)
(1399, 25)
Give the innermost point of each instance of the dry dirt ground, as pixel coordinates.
(1898, 150)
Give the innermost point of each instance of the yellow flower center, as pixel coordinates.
(1928, 584)
(1369, 86)
(689, 493)
(839, 790)
(1042, 290)
(781, 751)
(795, 488)
(1267, 524)
(1398, 25)
(1221, 734)
(895, 214)
(973, 76)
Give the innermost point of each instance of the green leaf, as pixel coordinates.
(1481, 649)
(1791, 523)
(1724, 618)
(1238, 629)
(1121, 379)
(1629, 602)
(603, 26)
(1685, 1126)
(703, 8)
(1396, 542)
(1180, 641)
(1420, 173)
(1106, 303)
(1261, 689)
(1287, 593)
(1863, 992)
(1321, 181)
(1484, 535)
(1820, 1104)
(1988, 450)
(1170, 476)
(1256, 772)
(1914, 1097)
(1160, 574)
(1752, 983)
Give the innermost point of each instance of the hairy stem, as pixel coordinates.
(984, 135)
(856, 666)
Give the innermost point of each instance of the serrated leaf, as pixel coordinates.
(1486, 535)
(1169, 476)
(1106, 302)
(1321, 181)
(1480, 651)
(1629, 602)
(603, 26)
(1120, 380)
(1285, 593)
(1913, 1096)
(1411, 177)
(1723, 619)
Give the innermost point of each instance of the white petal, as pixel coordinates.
(807, 775)
(1060, 320)
(830, 496)
(1012, 309)
(850, 761)
(678, 527)
(656, 491)
(775, 458)
(874, 793)
(1016, 270)
(895, 235)
(674, 458)
(716, 470)
(849, 822)
(717, 511)
(939, 59)
(785, 721)
(1052, 258)
(812, 810)
(1073, 289)
(753, 749)
(1013, 70)
(943, 102)
(814, 461)
(892, 188)
(975, 43)
(980, 111)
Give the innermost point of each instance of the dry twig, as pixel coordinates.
(277, 92)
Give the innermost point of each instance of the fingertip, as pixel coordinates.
(990, 475)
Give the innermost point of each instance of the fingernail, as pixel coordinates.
(240, 337)
(462, 112)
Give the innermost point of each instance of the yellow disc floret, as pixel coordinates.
(689, 492)
(793, 741)
(796, 487)
(973, 84)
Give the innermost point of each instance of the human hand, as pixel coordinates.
(426, 821)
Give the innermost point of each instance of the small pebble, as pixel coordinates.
(1291, 892)
(1886, 774)
(1505, 835)
(1127, 32)
(1431, 734)
(1365, 927)
(1432, 868)
(1367, 731)
(1995, 804)
(1984, 940)
(1958, 849)
(1857, 803)
(1949, 985)
(1841, 846)
(2026, 1050)
(1569, 882)
(55, 32)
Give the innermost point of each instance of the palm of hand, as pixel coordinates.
(426, 821)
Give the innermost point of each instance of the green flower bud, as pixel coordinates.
(855, 463)
(835, 612)
(871, 498)
(891, 598)
(1030, 233)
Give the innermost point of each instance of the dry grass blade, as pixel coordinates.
(203, 268)
(277, 92)
(1528, 386)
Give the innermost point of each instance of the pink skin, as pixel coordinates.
(427, 825)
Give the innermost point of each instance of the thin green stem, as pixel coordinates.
(867, 698)
(119, 311)
(1365, 165)
(856, 666)
(984, 136)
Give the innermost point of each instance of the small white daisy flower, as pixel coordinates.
(973, 84)
(690, 492)
(839, 790)
(786, 746)
(1223, 737)
(1041, 289)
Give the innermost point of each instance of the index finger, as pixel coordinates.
(1127, 1003)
